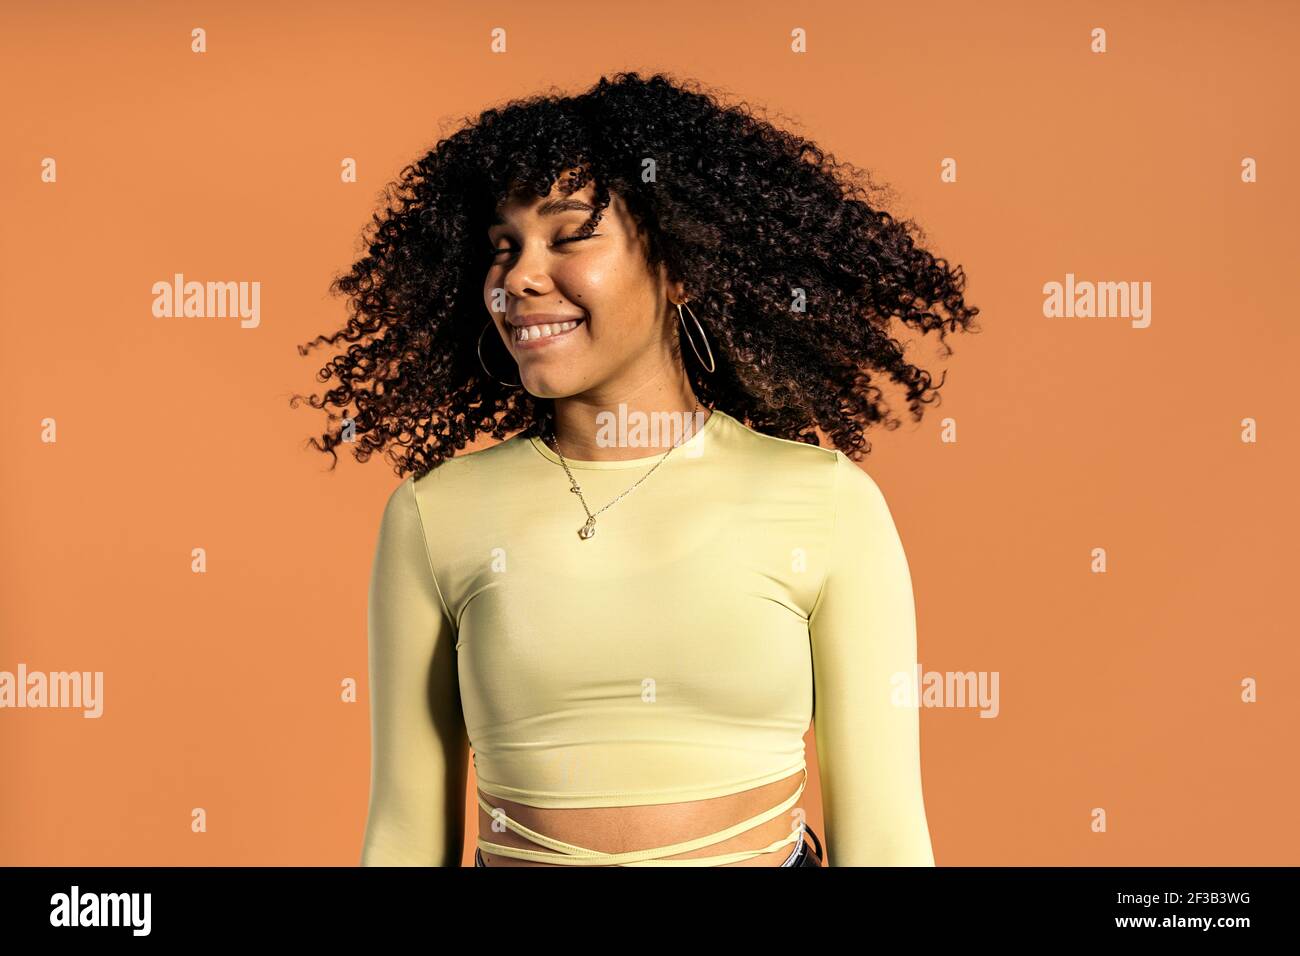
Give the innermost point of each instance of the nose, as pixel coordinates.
(529, 273)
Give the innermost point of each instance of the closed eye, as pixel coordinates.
(558, 242)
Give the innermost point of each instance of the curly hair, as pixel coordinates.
(794, 275)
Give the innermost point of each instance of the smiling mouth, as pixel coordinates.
(526, 335)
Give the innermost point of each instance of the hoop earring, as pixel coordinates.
(481, 362)
(712, 364)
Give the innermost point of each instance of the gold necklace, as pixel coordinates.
(589, 529)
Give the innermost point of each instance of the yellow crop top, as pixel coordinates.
(749, 586)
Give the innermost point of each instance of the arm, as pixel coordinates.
(863, 633)
(418, 745)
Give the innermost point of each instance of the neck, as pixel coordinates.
(595, 426)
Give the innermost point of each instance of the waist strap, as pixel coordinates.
(570, 854)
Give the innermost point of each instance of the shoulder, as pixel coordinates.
(440, 511)
(860, 506)
(848, 503)
(773, 454)
(462, 471)
(814, 471)
(846, 485)
(853, 483)
(400, 508)
(447, 501)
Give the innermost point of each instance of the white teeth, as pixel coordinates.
(530, 332)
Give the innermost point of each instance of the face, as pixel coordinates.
(541, 273)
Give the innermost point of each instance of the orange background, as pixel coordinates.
(222, 690)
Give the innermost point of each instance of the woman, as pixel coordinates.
(632, 626)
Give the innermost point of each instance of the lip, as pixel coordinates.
(545, 341)
(541, 318)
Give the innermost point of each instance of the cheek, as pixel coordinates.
(493, 280)
(591, 284)
(606, 287)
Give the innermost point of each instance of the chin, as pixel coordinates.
(551, 386)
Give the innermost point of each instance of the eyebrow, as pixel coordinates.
(553, 207)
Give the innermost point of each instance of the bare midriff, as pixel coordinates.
(625, 829)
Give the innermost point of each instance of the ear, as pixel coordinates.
(676, 292)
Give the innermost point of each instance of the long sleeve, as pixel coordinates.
(863, 633)
(419, 749)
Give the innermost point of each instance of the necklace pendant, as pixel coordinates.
(588, 529)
